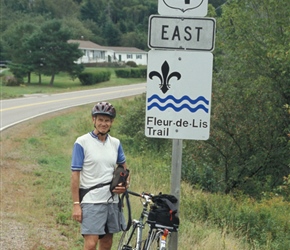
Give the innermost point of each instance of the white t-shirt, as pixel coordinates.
(96, 161)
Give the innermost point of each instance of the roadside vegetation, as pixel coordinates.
(62, 83)
(236, 185)
(208, 221)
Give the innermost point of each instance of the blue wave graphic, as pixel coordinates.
(177, 109)
(178, 101)
(184, 98)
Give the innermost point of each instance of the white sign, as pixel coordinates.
(183, 7)
(167, 32)
(178, 97)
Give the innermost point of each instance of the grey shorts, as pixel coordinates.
(100, 219)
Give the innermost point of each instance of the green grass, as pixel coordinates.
(208, 221)
(49, 148)
(62, 83)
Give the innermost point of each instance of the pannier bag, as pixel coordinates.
(162, 213)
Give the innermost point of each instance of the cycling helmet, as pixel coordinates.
(104, 108)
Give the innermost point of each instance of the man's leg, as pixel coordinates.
(91, 242)
(106, 242)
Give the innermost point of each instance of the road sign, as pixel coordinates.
(183, 7)
(167, 32)
(178, 94)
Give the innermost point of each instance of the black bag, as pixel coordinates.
(120, 176)
(162, 213)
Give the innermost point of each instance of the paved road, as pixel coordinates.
(14, 111)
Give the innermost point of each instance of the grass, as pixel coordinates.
(208, 221)
(48, 148)
(62, 83)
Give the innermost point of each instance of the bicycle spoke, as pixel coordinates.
(128, 239)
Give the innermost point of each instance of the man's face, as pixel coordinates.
(102, 123)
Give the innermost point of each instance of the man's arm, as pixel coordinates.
(75, 184)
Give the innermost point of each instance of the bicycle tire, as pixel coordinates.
(128, 239)
(126, 210)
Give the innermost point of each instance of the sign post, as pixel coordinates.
(179, 78)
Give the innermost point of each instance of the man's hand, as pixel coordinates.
(77, 212)
(120, 188)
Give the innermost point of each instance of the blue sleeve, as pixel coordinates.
(121, 156)
(77, 158)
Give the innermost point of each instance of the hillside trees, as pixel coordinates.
(248, 149)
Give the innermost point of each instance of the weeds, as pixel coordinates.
(208, 221)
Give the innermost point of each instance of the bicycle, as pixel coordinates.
(158, 235)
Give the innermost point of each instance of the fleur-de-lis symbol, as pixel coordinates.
(165, 78)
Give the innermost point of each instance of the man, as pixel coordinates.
(94, 159)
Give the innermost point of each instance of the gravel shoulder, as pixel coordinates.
(20, 226)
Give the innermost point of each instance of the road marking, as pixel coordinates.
(65, 99)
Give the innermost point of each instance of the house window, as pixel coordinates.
(138, 56)
(129, 56)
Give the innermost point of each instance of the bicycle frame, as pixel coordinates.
(157, 237)
(137, 225)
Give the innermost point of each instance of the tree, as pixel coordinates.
(50, 53)
(112, 33)
(17, 53)
(248, 149)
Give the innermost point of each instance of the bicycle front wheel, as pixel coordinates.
(128, 240)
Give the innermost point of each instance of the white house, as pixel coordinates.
(94, 53)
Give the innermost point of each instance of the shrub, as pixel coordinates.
(131, 73)
(11, 81)
(131, 64)
(90, 78)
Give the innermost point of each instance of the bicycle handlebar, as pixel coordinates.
(143, 195)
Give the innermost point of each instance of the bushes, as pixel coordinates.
(131, 73)
(11, 81)
(90, 78)
(264, 224)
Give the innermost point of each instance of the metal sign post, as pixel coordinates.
(179, 79)
(175, 182)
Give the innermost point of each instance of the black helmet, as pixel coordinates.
(104, 108)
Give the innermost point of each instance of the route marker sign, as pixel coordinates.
(168, 32)
(178, 97)
(183, 7)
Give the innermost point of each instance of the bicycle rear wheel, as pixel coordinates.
(154, 241)
(128, 239)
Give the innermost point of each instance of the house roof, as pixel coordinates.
(126, 49)
(90, 45)
(87, 44)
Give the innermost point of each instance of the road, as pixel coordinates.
(14, 111)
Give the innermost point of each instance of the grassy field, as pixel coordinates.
(35, 191)
(40, 185)
(62, 83)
